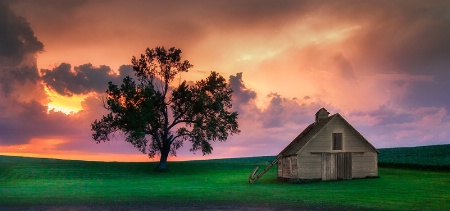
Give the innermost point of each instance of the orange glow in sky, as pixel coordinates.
(383, 65)
(63, 103)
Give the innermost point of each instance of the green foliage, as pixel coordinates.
(157, 118)
(424, 157)
(26, 183)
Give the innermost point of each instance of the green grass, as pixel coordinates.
(28, 182)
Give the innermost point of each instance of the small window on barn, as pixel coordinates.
(337, 141)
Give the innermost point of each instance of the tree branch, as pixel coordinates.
(179, 135)
(171, 139)
(178, 122)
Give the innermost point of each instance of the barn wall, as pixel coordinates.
(364, 158)
(351, 140)
(294, 166)
(280, 167)
(288, 167)
(309, 165)
(365, 165)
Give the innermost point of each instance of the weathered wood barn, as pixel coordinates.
(328, 149)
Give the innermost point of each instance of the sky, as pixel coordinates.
(383, 65)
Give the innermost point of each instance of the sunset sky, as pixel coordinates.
(383, 65)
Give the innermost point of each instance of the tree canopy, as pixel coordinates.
(158, 117)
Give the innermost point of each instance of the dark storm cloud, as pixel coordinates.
(177, 21)
(52, 12)
(17, 39)
(126, 70)
(18, 47)
(252, 14)
(415, 39)
(82, 79)
(280, 111)
(241, 94)
(22, 116)
(429, 94)
(273, 114)
(21, 121)
(409, 37)
(390, 127)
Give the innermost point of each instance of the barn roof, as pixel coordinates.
(306, 135)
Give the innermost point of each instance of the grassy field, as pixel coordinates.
(29, 182)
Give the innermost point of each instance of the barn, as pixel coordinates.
(328, 149)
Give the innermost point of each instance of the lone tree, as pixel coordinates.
(158, 118)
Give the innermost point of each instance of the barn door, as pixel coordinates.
(329, 166)
(344, 165)
(336, 166)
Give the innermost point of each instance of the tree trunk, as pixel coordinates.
(163, 161)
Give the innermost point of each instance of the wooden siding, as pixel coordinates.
(365, 165)
(288, 167)
(351, 140)
(328, 166)
(309, 166)
(280, 167)
(294, 167)
(285, 168)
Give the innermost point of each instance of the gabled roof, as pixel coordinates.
(306, 135)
